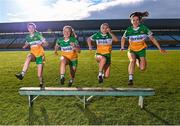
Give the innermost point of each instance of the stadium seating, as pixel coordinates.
(166, 32)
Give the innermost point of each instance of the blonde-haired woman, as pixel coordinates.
(69, 53)
(103, 39)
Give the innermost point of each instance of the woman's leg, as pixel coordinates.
(131, 67)
(143, 63)
(63, 64)
(72, 74)
(27, 62)
(72, 71)
(29, 58)
(40, 73)
(107, 70)
(102, 61)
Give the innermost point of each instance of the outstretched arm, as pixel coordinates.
(56, 49)
(25, 46)
(123, 41)
(76, 47)
(89, 42)
(155, 42)
(45, 44)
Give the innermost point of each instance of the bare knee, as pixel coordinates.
(63, 61)
(132, 61)
(39, 76)
(143, 68)
(29, 56)
(106, 76)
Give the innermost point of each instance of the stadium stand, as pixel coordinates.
(12, 35)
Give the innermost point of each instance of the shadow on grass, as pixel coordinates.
(156, 116)
(34, 118)
(93, 119)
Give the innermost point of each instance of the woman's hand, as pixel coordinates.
(162, 51)
(56, 53)
(72, 44)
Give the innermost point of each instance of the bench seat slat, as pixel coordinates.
(87, 91)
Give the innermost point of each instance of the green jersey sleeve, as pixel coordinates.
(40, 36)
(58, 42)
(73, 39)
(27, 40)
(147, 30)
(127, 32)
(94, 36)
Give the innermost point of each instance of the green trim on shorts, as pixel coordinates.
(73, 63)
(39, 60)
(107, 56)
(141, 53)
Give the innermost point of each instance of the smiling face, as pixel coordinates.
(31, 28)
(104, 28)
(135, 21)
(67, 32)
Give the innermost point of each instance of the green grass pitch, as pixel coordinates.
(162, 74)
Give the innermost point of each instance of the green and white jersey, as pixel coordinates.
(35, 42)
(67, 48)
(65, 45)
(137, 37)
(37, 38)
(103, 41)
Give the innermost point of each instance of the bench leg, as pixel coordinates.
(140, 101)
(30, 98)
(84, 99)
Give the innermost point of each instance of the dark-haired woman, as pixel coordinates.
(136, 34)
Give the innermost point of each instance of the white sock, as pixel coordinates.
(62, 75)
(23, 73)
(130, 76)
(103, 75)
(40, 80)
(100, 73)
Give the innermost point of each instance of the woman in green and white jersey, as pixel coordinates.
(103, 40)
(136, 34)
(36, 42)
(69, 53)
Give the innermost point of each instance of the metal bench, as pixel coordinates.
(89, 92)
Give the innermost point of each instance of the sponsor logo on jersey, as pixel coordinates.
(67, 49)
(104, 41)
(137, 37)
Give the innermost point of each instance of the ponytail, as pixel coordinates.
(139, 14)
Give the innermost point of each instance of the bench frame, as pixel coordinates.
(87, 93)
